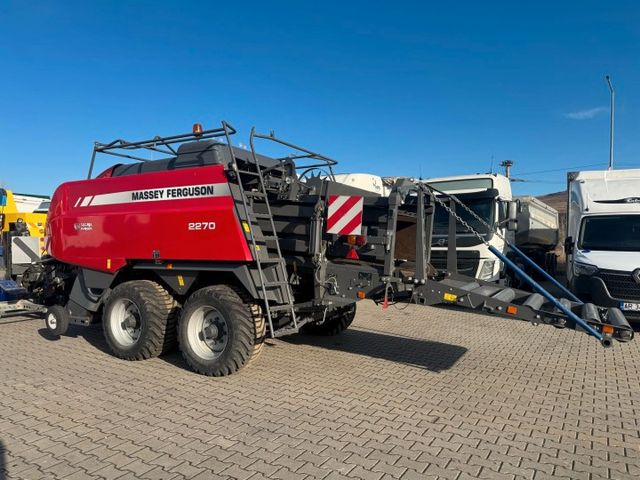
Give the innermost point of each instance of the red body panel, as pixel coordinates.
(185, 214)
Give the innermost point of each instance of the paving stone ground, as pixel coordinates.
(412, 394)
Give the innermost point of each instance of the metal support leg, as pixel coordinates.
(421, 264)
(452, 254)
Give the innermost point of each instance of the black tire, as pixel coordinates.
(153, 311)
(220, 330)
(336, 322)
(56, 320)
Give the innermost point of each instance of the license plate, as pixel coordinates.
(630, 306)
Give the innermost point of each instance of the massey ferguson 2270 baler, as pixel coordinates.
(216, 247)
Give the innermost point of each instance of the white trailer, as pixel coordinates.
(603, 238)
(538, 234)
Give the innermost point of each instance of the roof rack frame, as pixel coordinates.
(155, 144)
(323, 161)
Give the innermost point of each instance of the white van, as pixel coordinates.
(603, 238)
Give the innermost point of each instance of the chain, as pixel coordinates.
(473, 214)
(469, 228)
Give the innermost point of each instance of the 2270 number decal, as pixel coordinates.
(201, 225)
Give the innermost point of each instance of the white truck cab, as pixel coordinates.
(603, 238)
(488, 195)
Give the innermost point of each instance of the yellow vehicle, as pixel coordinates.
(32, 209)
(22, 230)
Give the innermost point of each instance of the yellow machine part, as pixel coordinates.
(36, 222)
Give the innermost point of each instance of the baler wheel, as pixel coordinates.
(220, 330)
(139, 320)
(56, 320)
(337, 322)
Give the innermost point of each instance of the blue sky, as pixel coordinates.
(401, 88)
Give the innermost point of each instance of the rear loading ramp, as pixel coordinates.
(507, 302)
(605, 324)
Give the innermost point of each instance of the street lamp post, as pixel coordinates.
(611, 120)
(507, 164)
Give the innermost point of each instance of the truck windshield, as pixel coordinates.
(483, 207)
(611, 232)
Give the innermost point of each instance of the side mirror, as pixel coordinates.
(512, 210)
(568, 246)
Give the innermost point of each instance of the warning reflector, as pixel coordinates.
(345, 215)
(450, 297)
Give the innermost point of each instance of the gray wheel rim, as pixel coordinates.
(52, 321)
(207, 332)
(125, 322)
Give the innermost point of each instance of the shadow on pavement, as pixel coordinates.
(426, 354)
(3, 462)
(93, 335)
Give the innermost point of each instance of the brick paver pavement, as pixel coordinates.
(414, 393)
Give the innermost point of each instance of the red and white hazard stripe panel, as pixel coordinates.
(345, 215)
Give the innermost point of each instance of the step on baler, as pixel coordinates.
(214, 248)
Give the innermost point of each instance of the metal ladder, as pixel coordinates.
(263, 258)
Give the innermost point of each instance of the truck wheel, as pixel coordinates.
(219, 331)
(337, 322)
(139, 320)
(57, 320)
